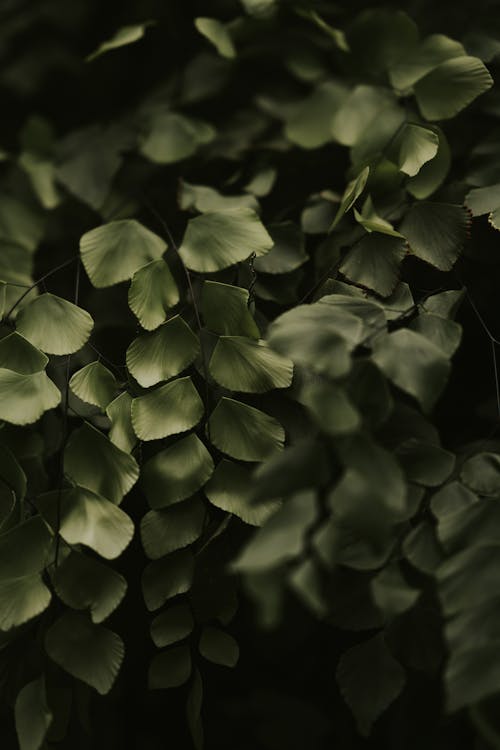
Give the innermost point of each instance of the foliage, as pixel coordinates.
(244, 417)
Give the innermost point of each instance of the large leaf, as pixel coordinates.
(241, 364)
(243, 432)
(217, 34)
(84, 583)
(162, 354)
(17, 354)
(230, 488)
(220, 239)
(171, 626)
(86, 518)
(172, 137)
(177, 472)
(89, 652)
(122, 37)
(32, 714)
(170, 668)
(370, 679)
(436, 232)
(152, 293)
(24, 398)
(418, 145)
(166, 578)
(170, 409)
(225, 310)
(94, 384)
(93, 462)
(219, 647)
(54, 325)
(374, 263)
(113, 252)
(164, 531)
(414, 364)
(451, 87)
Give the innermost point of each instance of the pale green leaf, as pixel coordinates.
(443, 333)
(94, 384)
(372, 222)
(225, 310)
(418, 145)
(42, 174)
(121, 432)
(122, 37)
(152, 293)
(451, 86)
(206, 199)
(217, 34)
(230, 488)
(32, 714)
(24, 398)
(359, 112)
(22, 599)
(351, 194)
(243, 432)
(433, 173)
(170, 409)
(171, 529)
(309, 124)
(54, 325)
(419, 59)
(219, 647)
(242, 364)
(17, 354)
(331, 407)
(172, 137)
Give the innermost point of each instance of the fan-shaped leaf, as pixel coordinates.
(432, 174)
(418, 145)
(24, 398)
(482, 473)
(152, 293)
(374, 263)
(225, 310)
(21, 599)
(173, 137)
(176, 472)
(436, 232)
(17, 354)
(121, 432)
(170, 668)
(243, 432)
(94, 384)
(217, 34)
(451, 87)
(171, 626)
(330, 405)
(98, 465)
(310, 122)
(34, 538)
(54, 325)
(219, 647)
(351, 194)
(241, 364)
(122, 37)
(162, 354)
(288, 252)
(218, 240)
(113, 252)
(168, 577)
(33, 716)
(84, 583)
(419, 59)
(89, 652)
(205, 199)
(230, 488)
(168, 410)
(87, 518)
(164, 531)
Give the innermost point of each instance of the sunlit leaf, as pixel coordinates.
(206, 199)
(24, 398)
(310, 123)
(22, 599)
(121, 432)
(242, 364)
(418, 145)
(94, 384)
(152, 293)
(17, 354)
(168, 410)
(451, 87)
(54, 325)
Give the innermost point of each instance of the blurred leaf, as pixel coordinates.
(170, 668)
(217, 34)
(230, 488)
(122, 37)
(172, 137)
(243, 432)
(242, 364)
(33, 716)
(166, 578)
(219, 647)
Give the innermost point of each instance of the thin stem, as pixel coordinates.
(40, 281)
(495, 368)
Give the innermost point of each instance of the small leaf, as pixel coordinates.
(219, 647)
(152, 293)
(162, 354)
(391, 593)
(217, 34)
(418, 145)
(89, 652)
(451, 87)
(436, 232)
(241, 364)
(94, 384)
(54, 325)
(166, 578)
(22, 599)
(374, 263)
(177, 472)
(483, 200)
(433, 173)
(170, 409)
(33, 716)
(170, 668)
(370, 679)
(206, 199)
(351, 194)
(122, 37)
(225, 310)
(173, 137)
(243, 432)
(121, 432)
(113, 252)
(230, 488)
(93, 462)
(171, 626)
(24, 398)
(164, 531)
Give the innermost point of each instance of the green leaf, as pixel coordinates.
(225, 310)
(372, 222)
(391, 593)
(374, 263)
(42, 174)
(152, 293)
(171, 626)
(425, 463)
(359, 113)
(89, 519)
(310, 123)
(11, 473)
(451, 86)
(89, 652)
(451, 498)
(22, 599)
(370, 679)
(32, 714)
(302, 465)
(113, 252)
(84, 583)
(288, 252)
(219, 647)
(96, 464)
(443, 333)
(166, 578)
(122, 37)
(378, 38)
(418, 145)
(121, 432)
(242, 364)
(217, 34)
(173, 137)
(262, 182)
(24, 398)
(436, 232)
(419, 59)
(20, 223)
(351, 194)
(230, 488)
(162, 354)
(206, 199)
(54, 325)
(35, 539)
(330, 406)
(305, 580)
(164, 531)
(282, 537)
(336, 35)
(434, 172)
(218, 240)
(243, 432)
(17, 354)
(414, 364)
(94, 384)
(177, 472)
(170, 668)
(483, 200)
(481, 473)
(170, 409)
